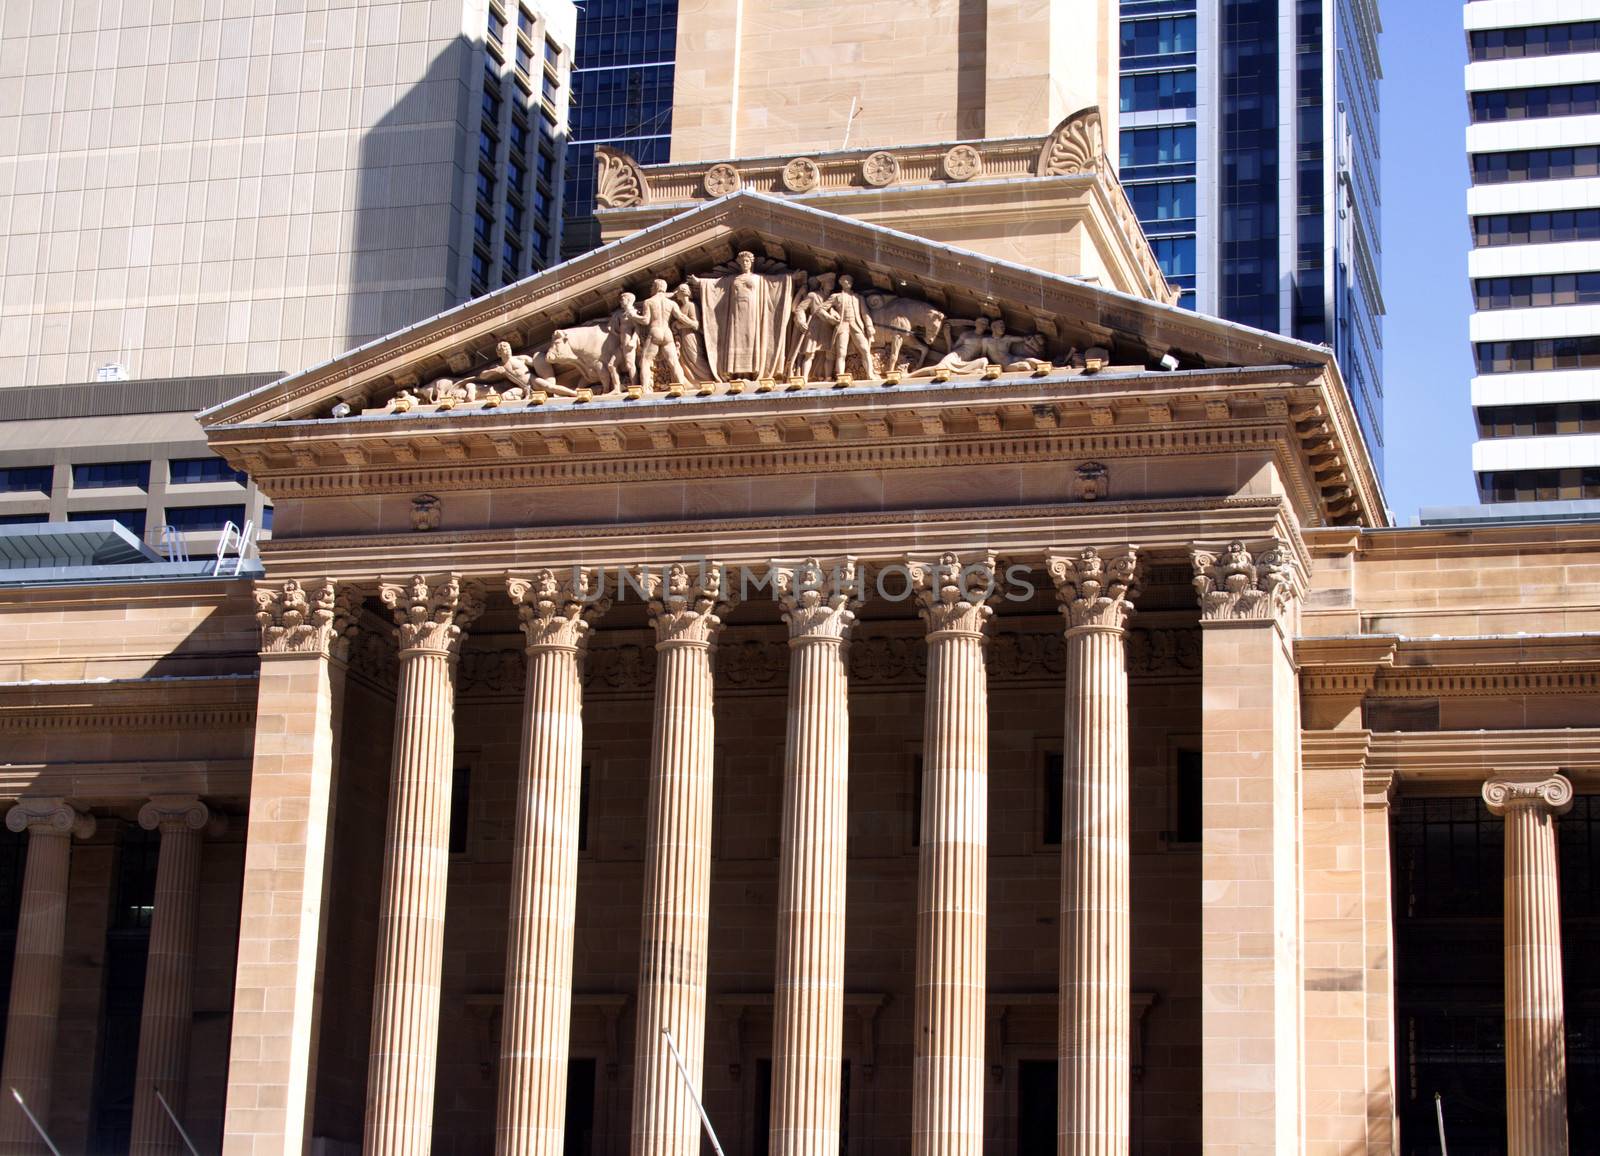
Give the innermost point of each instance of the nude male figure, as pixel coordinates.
(655, 318)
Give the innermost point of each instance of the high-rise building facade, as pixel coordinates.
(187, 192)
(1250, 151)
(1533, 92)
(622, 82)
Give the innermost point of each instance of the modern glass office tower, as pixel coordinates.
(621, 94)
(1533, 92)
(1250, 151)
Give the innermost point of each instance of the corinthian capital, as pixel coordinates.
(432, 613)
(1094, 588)
(299, 620)
(558, 608)
(818, 603)
(953, 594)
(686, 605)
(1235, 584)
(1551, 793)
(42, 815)
(180, 813)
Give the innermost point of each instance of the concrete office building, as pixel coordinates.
(1533, 90)
(188, 191)
(1250, 152)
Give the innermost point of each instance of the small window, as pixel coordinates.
(525, 20)
(552, 52)
(110, 475)
(482, 225)
(1050, 798)
(132, 520)
(197, 471)
(497, 26)
(460, 809)
(202, 519)
(519, 135)
(27, 479)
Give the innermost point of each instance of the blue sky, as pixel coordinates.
(1427, 359)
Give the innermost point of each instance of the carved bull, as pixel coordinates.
(590, 351)
(901, 321)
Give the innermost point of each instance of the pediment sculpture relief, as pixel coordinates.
(752, 320)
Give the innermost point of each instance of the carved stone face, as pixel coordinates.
(683, 292)
(503, 350)
(658, 286)
(997, 327)
(845, 283)
(747, 261)
(560, 347)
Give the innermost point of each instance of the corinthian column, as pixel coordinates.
(685, 609)
(167, 1017)
(1093, 1069)
(808, 993)
(431, 615)
(556, 613)
(953, 868)
(1536, 1050)
(36, 973)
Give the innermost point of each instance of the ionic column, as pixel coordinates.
(808, 992)
(36, 973)
(167, 1016)
(685, 609)
(431, 615)
(1094, 1064)
(1536, 1050)
(953, 868)
(556, 613)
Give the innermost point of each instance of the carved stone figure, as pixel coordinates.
(744, 316)
(517, 370)
(686, 328)
(852, 327)
(1001, 349)
(623, 326)
(901, 321)
(813, 330)
(966, 355)
(589, 351)
(655, 320)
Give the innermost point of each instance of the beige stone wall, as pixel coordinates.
(758, 77)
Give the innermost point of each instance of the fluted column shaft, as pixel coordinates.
(167, 1016)
(535, 1026)
(403, 1056)
(36, 971)
(1093, 1070)
(1536, 1053)
(677, 868)
(808, 992)
(952, 871)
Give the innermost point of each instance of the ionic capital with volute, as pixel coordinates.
(1551, 792)
(819, 604)
(686, 605)
(180, 813)
(1095, 587)
(42, 815)
(296, 619)
(953, 594)
(557, 609)
(1236, 584)
(431, 614)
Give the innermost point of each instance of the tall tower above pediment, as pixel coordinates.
(766, 77)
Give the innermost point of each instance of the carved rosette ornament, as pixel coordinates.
(880, 169)
(557, 610)
(953, 594)
(962, 163)
(297, 620)
(1552, 793)
(48, 816)
(1076, 146)
(685, 605)
(1094, 589)
(618, 180)
(801, 175)
(431, 614)
(1236, 584)
(720, 180)
(818, 602)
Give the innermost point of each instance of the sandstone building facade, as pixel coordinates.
(850, 646)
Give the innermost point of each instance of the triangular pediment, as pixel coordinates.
(798, 251)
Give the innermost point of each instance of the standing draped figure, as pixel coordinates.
(744, 317)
